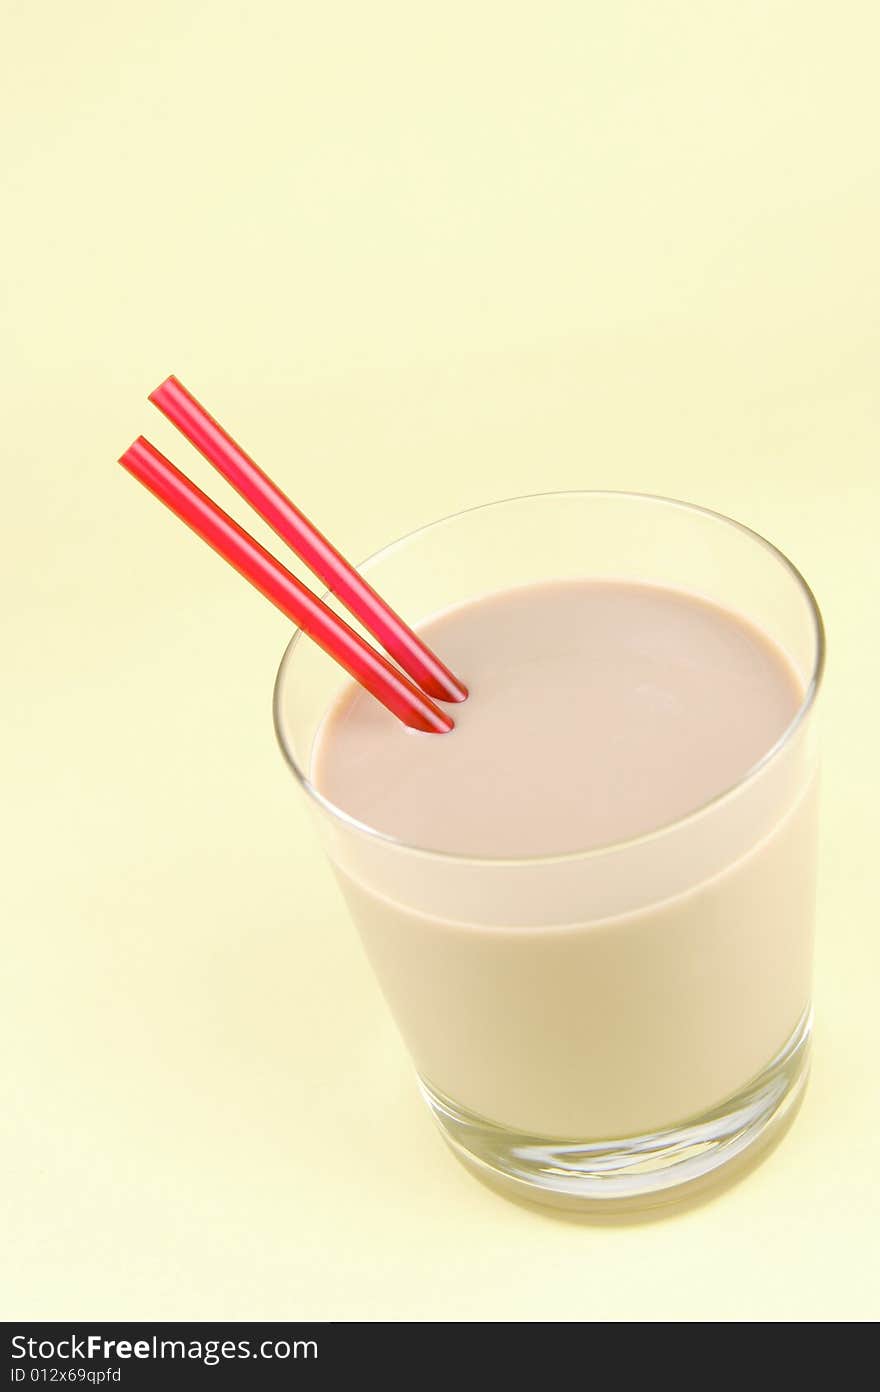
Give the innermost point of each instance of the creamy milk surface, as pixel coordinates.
(603, 995)
(598, 711)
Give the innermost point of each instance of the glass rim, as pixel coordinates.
(463, 857)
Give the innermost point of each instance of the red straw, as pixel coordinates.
(251, 560)
(303, 537)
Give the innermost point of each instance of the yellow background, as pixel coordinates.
(416, 257)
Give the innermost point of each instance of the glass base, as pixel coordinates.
(635, 1171)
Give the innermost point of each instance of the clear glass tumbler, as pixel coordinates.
(614, 1024)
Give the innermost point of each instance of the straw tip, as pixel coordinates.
(171, 383)
(133, 449)
(137, 453)
(430, 720)
(441, 685)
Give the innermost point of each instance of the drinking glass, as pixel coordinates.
(613, 1025)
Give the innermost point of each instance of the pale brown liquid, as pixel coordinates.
(599, 710)
(602, 995)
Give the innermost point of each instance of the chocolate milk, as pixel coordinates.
(544, 975)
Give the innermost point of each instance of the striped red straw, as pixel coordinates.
(303, 537)
(374, 672)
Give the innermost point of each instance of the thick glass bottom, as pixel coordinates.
(635, 1171)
